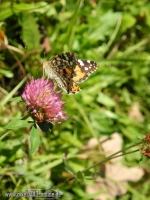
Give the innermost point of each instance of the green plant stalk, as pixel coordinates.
(71, 27)
(94, 134)
(5, 134)
(114, 34)
(9, 96)
(113, 156)
(103, 161)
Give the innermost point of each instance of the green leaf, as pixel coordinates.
(80, 177)
(34, 139)
(104, 26)
(105, 100)
(18, 123)
(67, 167)
(16, 99)
(6, 73)
(128, 21)
(6, 11)
(46, 127)
(30, 32)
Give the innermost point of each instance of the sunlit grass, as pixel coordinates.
(115, 98)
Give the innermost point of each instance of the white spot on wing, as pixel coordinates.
(81, 62)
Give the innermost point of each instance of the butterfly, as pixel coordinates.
(67, 70)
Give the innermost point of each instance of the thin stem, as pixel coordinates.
(3, 136)
(113, 156)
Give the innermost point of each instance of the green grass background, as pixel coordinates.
(115, 34)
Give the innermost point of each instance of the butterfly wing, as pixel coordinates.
(61, 69)
(66, 63)
(83, 69)
(65, 81)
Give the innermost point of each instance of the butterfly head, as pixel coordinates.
(47, 69)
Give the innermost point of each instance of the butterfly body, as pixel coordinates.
(67, 70)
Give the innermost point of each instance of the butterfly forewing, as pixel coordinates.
(69, 58)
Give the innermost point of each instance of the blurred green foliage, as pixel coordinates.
(116, 98)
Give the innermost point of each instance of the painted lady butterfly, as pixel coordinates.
(67, 70)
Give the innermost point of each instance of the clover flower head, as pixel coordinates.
(146, 146)
(43, 101)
